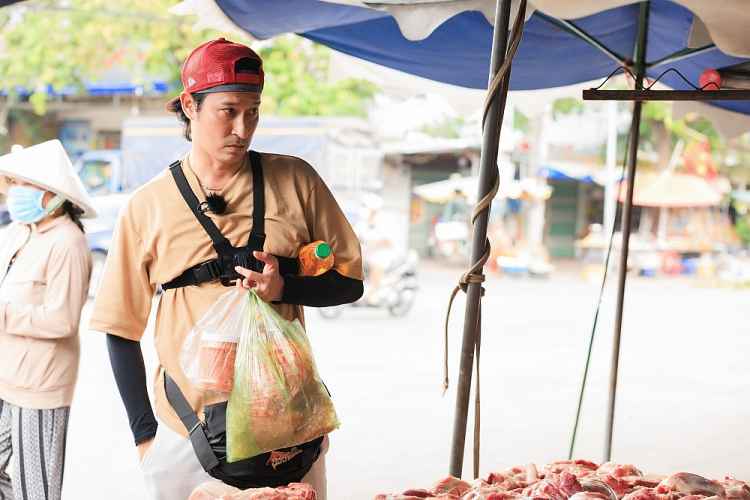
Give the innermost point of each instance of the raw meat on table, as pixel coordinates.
(736, 490)
(691, 484)
(216, 490)
(580, 480)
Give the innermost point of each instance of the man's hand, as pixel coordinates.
(269, 285)
(143, 448)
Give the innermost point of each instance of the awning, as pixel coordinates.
(444, 191)
(672, 190)
(576, 171)
(450, 41)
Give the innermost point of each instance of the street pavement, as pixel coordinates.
(683, 401)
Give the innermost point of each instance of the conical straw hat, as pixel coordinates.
(48, 166)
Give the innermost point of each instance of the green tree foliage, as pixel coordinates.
(520, 121)
(659, 131)
(297, 82)
(449, 128)
(566, 106)
(65, 43)
(658, 114)
(59, 44)
(743, 229)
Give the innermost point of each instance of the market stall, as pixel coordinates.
(682, 220)
(564, 42)
(512, 253)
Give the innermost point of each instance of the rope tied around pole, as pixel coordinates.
(475, 275)
(504, 70)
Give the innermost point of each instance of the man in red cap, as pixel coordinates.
(222, 215)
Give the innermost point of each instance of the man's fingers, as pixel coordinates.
(266, 258)
(246, 283)
(269, 284)
(247, 273)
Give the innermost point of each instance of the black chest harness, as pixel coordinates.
(208, 437)
(222, 268)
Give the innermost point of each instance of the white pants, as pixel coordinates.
(171, 470)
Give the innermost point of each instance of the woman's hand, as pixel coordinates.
(269, 285)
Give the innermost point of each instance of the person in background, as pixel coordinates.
(377, 248)
(45, 266)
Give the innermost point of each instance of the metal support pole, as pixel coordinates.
(610, 186)
(487, 176)
(574, 30)
(680, 55)
(640, 65)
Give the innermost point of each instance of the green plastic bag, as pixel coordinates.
(278, 399)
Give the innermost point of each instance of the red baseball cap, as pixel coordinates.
(221, 66)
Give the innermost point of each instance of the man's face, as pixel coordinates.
(224, 125)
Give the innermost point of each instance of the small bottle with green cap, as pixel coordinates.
(315, 258)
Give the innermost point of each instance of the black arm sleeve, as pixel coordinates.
(328, 289)
(126, 358)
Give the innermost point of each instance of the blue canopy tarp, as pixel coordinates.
(458, 51)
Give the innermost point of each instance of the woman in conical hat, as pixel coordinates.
(45, 266)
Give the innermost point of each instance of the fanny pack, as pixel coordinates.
(272, 469)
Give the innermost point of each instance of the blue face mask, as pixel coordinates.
(25, 204)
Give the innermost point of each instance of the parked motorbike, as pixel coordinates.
(397, 292)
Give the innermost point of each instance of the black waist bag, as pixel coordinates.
(209, 441)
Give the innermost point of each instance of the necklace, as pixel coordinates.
(213, 190)
(200, 183)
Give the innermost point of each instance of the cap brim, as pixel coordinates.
(232, 87)
(229, 87)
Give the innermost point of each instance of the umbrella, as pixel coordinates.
(564, 42)
(672, 190)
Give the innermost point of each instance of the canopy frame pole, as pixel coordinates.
(639, 65)
(487, 177)
(573, 29)
(680, 55)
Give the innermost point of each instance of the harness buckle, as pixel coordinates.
(214, 268)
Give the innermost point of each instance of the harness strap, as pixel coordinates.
(218, 240)
(192, 423)
(214, 269)
(211, 270)
(199, 273)
(258, 231)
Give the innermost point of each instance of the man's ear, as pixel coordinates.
(188, 105)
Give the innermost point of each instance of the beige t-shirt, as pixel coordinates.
(158, 237)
